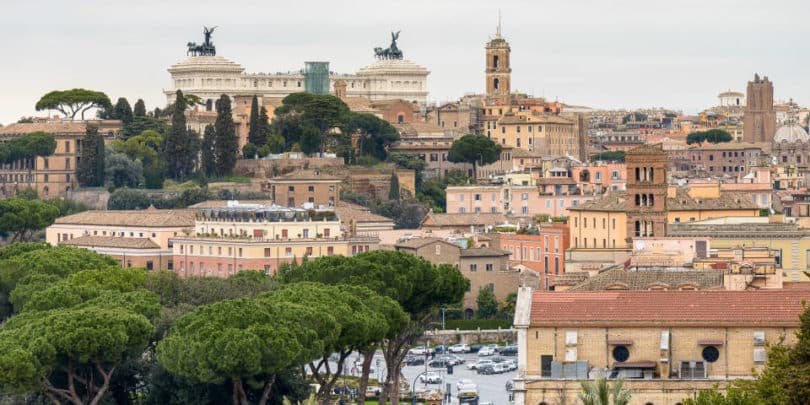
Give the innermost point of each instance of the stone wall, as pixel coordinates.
(451, 337)
(94, 198)
(265, 168)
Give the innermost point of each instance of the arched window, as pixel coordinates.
(496, 84)
(496, 61)
(652, 174)
(638, 228)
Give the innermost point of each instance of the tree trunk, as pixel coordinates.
(368, 357)
(266, 392)
(105, 386)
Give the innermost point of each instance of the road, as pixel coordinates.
(491, 388)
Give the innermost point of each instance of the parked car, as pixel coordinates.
(494, 347)
(498, 359)
(430, 378)
(414, 360)
(486, 351)
(475, 348)
(440, 349)
(438, 363)
(420, 350)
(458, 359)
(459, 348)
(499, 368)
(465, 384)
(509, 351)
(373, 391)
(486, 369)
(478, 364)
(511, 365)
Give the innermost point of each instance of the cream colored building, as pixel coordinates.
(665, 351)
(208, 77)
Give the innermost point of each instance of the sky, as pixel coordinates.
(598, 53)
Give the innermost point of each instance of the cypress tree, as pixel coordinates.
(226, 144)
(176, 151)
(139, 110)
(208, 159)
(90, 172)
(123, 111)
(393, 194)
(264, 124)
(255, 130)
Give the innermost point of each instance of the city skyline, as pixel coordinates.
(622, 55)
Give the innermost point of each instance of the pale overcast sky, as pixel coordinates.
(607, 54)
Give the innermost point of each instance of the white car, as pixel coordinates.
(420, 350)
(430, 378)
(465, 384)
(499, 368)
(486, 351)
(459, 348)
(478, 364)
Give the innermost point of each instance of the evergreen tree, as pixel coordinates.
(139, 110)
(90, 172)
(393, 195)
(226, 144)
(208, 160)
(122, 111)
(178, 148)
(264, 124)
(255, 130)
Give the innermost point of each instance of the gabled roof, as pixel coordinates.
(777, 308)
(417, 243)
(111, 242)
(347, 211)
(483, 252)
(149, 217)
(655, 148)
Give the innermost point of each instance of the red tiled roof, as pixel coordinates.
(637, 308)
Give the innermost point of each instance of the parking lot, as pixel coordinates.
(491, 388)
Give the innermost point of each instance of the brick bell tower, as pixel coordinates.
(498, 72)
(646, 191)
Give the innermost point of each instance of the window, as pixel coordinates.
(284, 233)
(710, 354)
(461, 197)
(571, 338)
(759, 338)
(311, 189)
(67, 163)
(309, 251)
(267, 252)
(330, 250)
(693, 370)
(288, 252)
(524, 196)
(759, 355)
(473, 268)
(462, 210)
(477, 197)
(489, 267)
(571, 354)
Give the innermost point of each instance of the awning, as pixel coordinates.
(636, 364)
(620, 342)
(710, 342)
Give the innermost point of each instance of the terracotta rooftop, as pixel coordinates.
(347, 211)
(655, 148)
(483, 252)
(570, 279)
(150, 217)
(112, 242)
(611, 201)
(618, 278)
(728, 200)
(224, 203)
(700, 308)
(466, 219)
(416, 243)
(55, 127)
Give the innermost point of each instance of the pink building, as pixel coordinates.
(600, 177)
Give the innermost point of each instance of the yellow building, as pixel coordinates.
(599, 233)
(665, 351)
(788, 243)
(548, 134)
(240, 237)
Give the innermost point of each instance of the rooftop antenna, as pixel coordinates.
(498, 31)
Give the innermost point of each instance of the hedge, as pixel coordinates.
(474, 324)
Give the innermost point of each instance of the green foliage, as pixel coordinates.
(367, 161)
(256, 128)
(90, 172)
(406, 214)
(120, 171)
(474, 149)
(713, 396)
(611, 156)
(711, 136)
(226, 144)
(72, 102)
(140, 124)
(393, 194)
(181, 145)
(122, 111)
(209, 161)
(487, 303)
(375, 134)
(600, 392)
(507, 308)
(22, 217)
(433, 194)
(249, 151)
(27, 146)
(139, 109)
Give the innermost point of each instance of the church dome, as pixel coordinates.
(392, 66)
(208, 64)
(791, 133)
